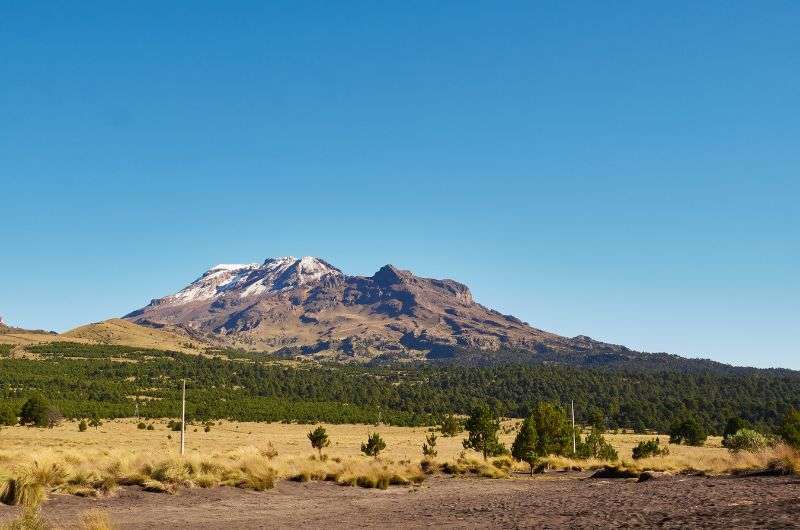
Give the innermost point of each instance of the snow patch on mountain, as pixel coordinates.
(274, 275)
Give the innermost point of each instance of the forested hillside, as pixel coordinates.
(109, 381)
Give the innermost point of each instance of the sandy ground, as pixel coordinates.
(556, 500)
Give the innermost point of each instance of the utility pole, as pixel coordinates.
(574, 445)
(183, 418)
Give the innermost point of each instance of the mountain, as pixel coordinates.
(308, 306)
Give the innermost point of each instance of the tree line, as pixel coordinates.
(85, 380)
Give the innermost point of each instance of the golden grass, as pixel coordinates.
(37, 462)
(115, 331)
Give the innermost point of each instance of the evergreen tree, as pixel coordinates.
(319, 439)
(374, 445)
(688, 431)
(525, 444)
(35, 411)
(7, 416)
(554, 432)
(482, 427)
(429, 447)
(790, 429)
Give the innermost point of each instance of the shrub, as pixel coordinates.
(482, 427)
(82, 426)
(374, 445)
(649, 448)
(150, 427)
(790, 429)
(319, 439)
(451, 426)
(141, 425)
(747, 440)
(732, 426)
(95, 422)
(429, 447)
(596, 446)
(689, 432)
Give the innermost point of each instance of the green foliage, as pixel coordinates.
(747, 440)
(790, 429)
(482, 427)
(8, 416)
(553, 429)
(688, 431)
(649, 448)
(374, 445)
(596, 446)
(141, 425)
(150, 427)
(429, 447)
(319, 439)
(451, 426)
(175, 426)
(95, 422)
(82, 426)
(524, 448)
(734, 425)
(36, 411)
(83, 379)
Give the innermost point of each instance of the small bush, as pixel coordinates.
(150, 427)
(141, 426)
(82, 426)
(649, 448)
(747, 440)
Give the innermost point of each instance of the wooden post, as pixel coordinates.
(574, 445)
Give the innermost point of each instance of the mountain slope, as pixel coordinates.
(123, 333)
(309, 306)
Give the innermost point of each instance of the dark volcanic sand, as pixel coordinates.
(552, 501)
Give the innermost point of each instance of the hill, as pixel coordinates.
(121, 332)
(109, 332)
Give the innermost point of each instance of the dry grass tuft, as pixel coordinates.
(96, 520)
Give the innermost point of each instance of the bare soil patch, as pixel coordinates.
(556, 500)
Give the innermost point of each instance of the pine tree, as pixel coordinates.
(524, 447)
(319, 439)
(429, 447)
(482, 427)
(374, 445)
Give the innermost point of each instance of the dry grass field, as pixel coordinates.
(402, 443)
(119, 466)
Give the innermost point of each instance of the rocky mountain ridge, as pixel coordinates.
(310, 307)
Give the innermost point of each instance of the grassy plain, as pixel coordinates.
(290, 441)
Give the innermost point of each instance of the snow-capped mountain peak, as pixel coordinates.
(275, 274)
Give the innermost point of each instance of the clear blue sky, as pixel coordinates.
(625, 170)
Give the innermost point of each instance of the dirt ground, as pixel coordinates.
(556, 500)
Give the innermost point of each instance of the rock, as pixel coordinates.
(615, 472)
(653, 475)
